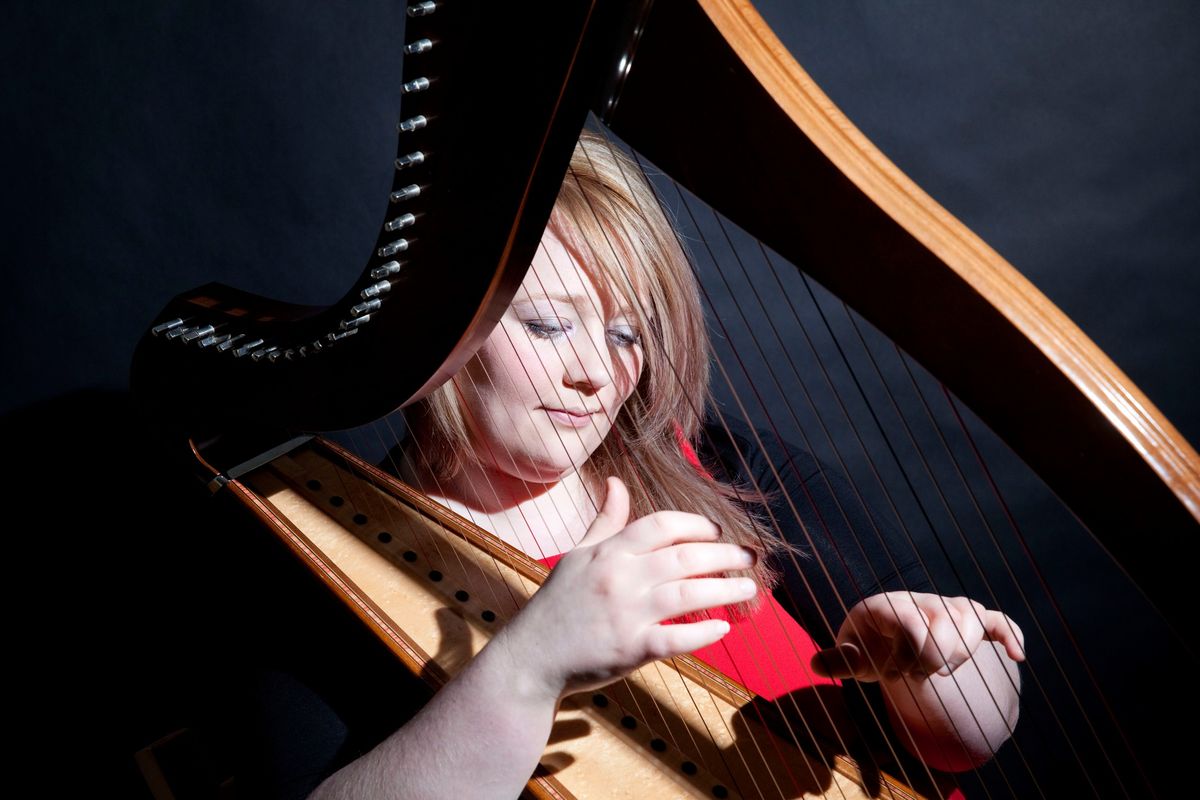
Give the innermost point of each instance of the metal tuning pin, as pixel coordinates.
(402, 221)
(407, 193)
(196, 333)
(259, 355)
(422, 9)
(230, 341)
(247, 348)
(180, 330)
(391, 248)
(418, 85)
(337, 337)
(412, 124)
(382, 271)
(410, 160)
(366, 308)
(383, 287)
(354, 322)
(209, 341)
(166, 326)
(418, 47)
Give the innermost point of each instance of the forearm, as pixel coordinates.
(957, 722)
(480, 736)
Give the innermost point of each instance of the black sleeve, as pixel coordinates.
(844, 553)
(314, 688)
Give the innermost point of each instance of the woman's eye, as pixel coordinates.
(624, 337)
(546, 328)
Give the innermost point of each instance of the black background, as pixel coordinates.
(152, 147)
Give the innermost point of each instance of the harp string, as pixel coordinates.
(396, 470)
(749, 473)
(643, 714)
(884, 383)
(825, 569)
(637, 476)
(777, 432)
(904, 472)
(538, 550)
(538, 544)
(1033, 669)
(636, 676)
(900, 414)
(1066, 628)
(948, 508)
(775, 469)
(442, 491)
(499, 577)
(776, 525)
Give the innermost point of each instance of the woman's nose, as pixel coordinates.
(588, 366)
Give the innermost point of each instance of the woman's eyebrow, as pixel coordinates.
(562, 297)
(576, 300)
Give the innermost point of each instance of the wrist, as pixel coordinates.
(526, 677)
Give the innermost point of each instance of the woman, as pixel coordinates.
(571, 433)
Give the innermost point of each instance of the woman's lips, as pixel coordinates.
(570, 419)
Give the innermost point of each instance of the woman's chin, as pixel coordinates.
(546, 473)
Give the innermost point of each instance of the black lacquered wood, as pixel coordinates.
(509, 90)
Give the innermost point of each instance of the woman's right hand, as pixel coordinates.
(600, 614)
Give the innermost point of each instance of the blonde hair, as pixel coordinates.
(609, 218)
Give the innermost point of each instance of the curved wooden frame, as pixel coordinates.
(962, 251)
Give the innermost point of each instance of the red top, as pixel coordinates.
(767, 652)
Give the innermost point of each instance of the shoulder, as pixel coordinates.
(736, 453)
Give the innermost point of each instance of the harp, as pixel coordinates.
(218, 360)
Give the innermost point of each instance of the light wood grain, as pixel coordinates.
(701, 716)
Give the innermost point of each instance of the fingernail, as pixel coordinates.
(749, 556)
(746, 587)
(852, 656)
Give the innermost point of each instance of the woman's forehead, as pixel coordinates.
(566, 275)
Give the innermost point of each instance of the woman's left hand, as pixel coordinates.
(893, 635)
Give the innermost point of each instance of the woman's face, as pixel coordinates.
(546, 387)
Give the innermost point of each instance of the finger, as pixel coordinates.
(951, 639)
(999, 628)
(665, 641)
(665, 528)
(844, 661)
(897, 638)
(613, 515)
(677, 598)
(689, 559)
